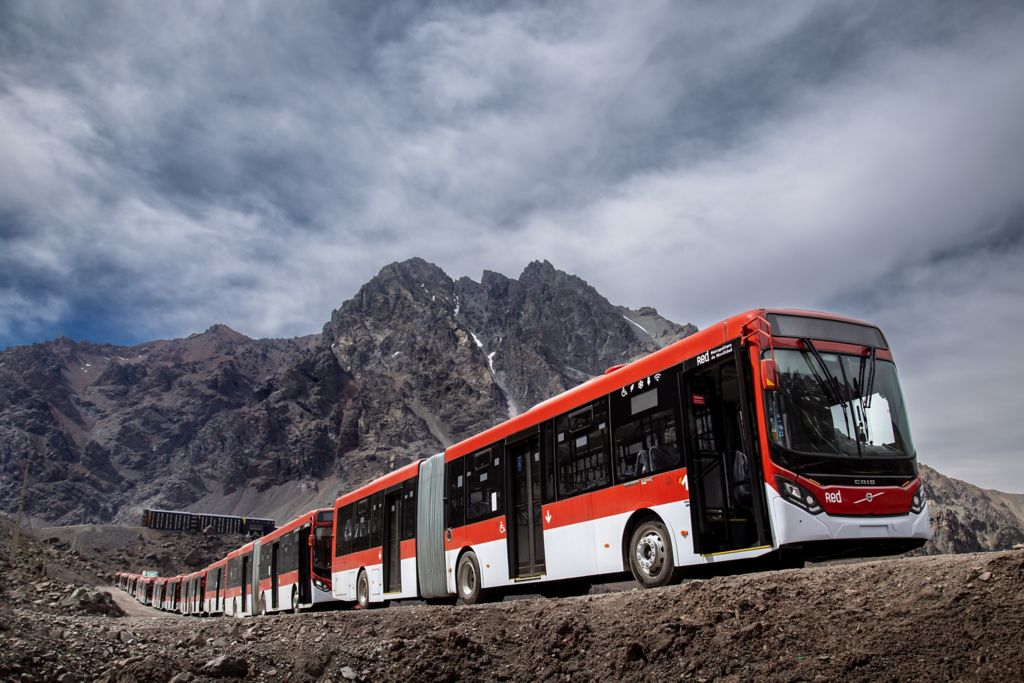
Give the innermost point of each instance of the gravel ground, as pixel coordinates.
(951, 617)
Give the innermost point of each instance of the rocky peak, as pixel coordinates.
(222, 332)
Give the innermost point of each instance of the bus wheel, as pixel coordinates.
(362, 590)
(467, 580)
(650, 555)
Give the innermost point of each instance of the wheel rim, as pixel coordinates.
(468, 577)
(650, 553)
(364, 592)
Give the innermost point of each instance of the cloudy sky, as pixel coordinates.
(165, 166)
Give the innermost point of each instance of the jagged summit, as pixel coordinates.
(222, 331)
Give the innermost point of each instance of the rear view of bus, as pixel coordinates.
(841, 470)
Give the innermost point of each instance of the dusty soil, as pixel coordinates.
(952, 617)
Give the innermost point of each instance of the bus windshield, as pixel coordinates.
(837, 405)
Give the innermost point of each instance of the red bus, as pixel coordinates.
(172, 594)
(147, 589)
(375, 540)
(294, 563)
(772, 437)
(193, 586)
(214, 581)
(238, 592)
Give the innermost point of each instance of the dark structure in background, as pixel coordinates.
(192, 522)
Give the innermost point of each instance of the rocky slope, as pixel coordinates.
(412, 363)
(105, 426)
(967, 519)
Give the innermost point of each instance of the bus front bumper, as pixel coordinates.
(795, 528)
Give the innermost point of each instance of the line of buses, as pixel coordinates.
(768, 439)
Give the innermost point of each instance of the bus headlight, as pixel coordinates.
(798, 495)
(918, 501)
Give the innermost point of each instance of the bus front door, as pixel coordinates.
(524, 518)
(722, 468)
(393, 542)
(305, 579)
(274, 576)
(246, 578)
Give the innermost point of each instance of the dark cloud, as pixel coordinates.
(169, 166)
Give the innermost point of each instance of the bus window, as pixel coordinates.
(455, 509)
(409, 509)
(361, 520)
(646, 439)
(484, 485)
(581, 440)
(343, 543)
(377, 519)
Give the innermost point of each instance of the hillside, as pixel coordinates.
(944, 618)
(966, 518)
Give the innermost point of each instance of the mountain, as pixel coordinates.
(411, 364)
(414, 362)
(106, 425)
(966, 518)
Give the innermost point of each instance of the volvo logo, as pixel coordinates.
(864, 482)
(868, 497)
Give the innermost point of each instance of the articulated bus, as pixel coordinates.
(294, 563)
(771, 438)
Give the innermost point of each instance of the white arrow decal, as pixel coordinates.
(547, 517)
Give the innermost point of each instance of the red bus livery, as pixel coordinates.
(773, 437)
(294, 563)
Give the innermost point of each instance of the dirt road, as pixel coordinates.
(132, 607)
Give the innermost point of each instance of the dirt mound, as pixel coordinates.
(952, 617)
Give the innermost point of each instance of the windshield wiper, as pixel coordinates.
(865, 390)
(830, 385)
(870, 391)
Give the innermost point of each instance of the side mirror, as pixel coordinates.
(769, 375)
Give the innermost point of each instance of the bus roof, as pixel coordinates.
(241, 551)
(390, 479)
(304, 518)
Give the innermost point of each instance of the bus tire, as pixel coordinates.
(468, 580)
(650, 555)
(363, 590)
